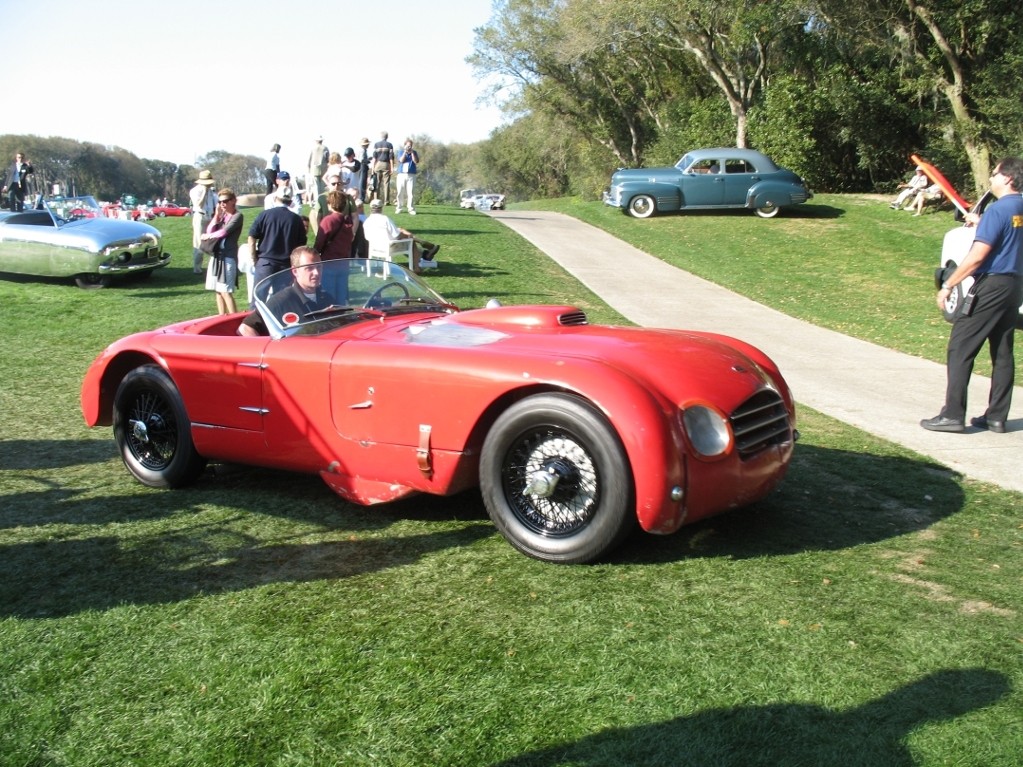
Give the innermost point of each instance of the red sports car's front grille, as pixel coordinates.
(761, 421)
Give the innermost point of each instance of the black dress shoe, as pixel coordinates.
(981, 422)
(941, 423)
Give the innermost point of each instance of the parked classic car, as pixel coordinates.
(574, 432)
(170, 209)
(489, 201)
(72, 237)
(954, 248)
(707, 179)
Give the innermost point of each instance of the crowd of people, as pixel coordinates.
(337, 187)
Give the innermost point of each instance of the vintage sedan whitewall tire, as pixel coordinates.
(642, 206)
(767, 211)
(556, 480)
(152, 430)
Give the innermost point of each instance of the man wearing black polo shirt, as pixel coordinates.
(274, 235)
(995, 261)
(292, 305)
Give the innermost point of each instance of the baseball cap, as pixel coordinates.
(284, 175)
(376, 204)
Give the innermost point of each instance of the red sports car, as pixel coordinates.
(170, 209)
(574, 432)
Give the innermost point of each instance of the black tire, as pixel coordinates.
(92, 281)
(152, 431)
(953, 304)
(767, 211)
(642, 206)
(587, 510)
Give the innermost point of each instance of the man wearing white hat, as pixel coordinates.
(319, 156)
(203, 198)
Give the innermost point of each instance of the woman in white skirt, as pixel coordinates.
(225, 228)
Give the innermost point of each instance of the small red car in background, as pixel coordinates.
(170, 209)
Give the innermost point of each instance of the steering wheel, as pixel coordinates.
(377, 300)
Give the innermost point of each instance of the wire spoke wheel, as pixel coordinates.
(551, 483)
(152, 430)
(556, 480)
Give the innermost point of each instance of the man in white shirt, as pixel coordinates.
(381, 230)
(916, 184)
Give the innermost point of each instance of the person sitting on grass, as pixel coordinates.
(916, 184)
(930, 194)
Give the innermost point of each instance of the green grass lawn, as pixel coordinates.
(868, 613)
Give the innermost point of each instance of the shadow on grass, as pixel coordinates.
(37, 454)
(56, 578)
(830, 500)
(866, 736)
(225, 533)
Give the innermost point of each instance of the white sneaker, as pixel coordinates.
(397, 210)
(411, 212)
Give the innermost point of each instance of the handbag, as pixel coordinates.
(209, 246)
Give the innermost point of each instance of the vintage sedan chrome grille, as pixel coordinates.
(761, 421)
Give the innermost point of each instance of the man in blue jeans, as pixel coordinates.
(408, 160)
(995, 262)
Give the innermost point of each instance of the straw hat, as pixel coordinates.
(206, 178)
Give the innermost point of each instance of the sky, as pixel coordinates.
(176, 79)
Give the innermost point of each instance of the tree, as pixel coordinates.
(551, 57)
(242, 173)
(729, 40)
(949, 49)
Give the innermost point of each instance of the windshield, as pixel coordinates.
(684, 162)
(320, 297)
(65, 209)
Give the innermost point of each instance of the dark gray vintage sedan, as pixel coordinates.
(706, 179)
(73, 237)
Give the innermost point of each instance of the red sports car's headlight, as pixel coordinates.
(707, 431)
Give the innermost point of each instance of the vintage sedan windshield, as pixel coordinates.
(684, 162)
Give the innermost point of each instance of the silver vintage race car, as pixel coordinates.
(73, 237)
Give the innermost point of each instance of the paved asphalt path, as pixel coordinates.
(875, 389)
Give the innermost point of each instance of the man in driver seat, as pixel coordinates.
(291, 305)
